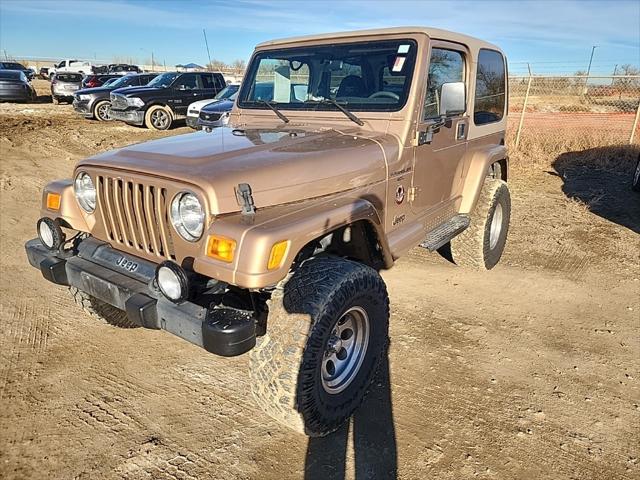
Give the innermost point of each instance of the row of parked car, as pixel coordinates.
(148, 99)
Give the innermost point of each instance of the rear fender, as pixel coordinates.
(479, 165)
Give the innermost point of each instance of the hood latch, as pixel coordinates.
(245, 199)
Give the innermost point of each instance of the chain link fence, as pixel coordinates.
(573, 112)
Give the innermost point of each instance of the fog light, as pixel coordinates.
(50, 234)
(172, 282)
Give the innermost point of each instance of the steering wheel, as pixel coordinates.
(383, 93)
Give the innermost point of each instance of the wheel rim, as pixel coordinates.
(496, 227)
(159, 119)
(103, 112)
(636, 176)
(345, 350)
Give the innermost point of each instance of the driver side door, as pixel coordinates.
(185, 92)
(437, 174)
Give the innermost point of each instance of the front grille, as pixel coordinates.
(118, 102)
(135, 215)
(211, 117)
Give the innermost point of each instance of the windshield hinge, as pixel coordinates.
(245, 199)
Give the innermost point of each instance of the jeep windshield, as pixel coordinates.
(163, 80)
(371, 76)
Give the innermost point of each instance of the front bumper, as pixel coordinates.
(192, 122)
(92, 268)
(83, 107)
(134, 117)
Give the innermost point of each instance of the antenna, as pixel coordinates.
(207, 44)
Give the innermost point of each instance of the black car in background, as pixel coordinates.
(165, 99)
(92, 81)
(94, 102)
(14, 86)
(29, 73)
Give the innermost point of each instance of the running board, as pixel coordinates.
(443, 233)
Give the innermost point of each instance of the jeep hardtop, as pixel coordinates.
(267, 236)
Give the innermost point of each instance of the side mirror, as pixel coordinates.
(453, 99)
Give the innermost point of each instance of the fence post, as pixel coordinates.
(635, 124)
(524, 108)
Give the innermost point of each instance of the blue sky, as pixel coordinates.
(555, 35)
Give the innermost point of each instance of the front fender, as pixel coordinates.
(69, 214)
(296, 223)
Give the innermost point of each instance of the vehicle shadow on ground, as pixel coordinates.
(374, 439)
(601, 179)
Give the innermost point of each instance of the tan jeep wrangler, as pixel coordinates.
(343, 151)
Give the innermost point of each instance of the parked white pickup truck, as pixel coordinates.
(76, 66)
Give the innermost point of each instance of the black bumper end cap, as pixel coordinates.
(142, 311)
(228, 332)
(54, 270)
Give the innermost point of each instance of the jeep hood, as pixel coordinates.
(281, 165)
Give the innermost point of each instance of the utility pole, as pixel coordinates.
(615, 70)
(152, 62)
(586, 80)
(207, 44)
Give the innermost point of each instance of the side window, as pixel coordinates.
(187, 81)
(445, 66)
(490, 88)
(208, 81)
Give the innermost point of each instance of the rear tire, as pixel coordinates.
(327, 331)
(55, 100)
(101, 111)
(101, 310)
(481, 245)
(158, 118)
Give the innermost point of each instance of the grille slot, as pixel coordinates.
(135, 215)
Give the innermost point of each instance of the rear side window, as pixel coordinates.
(208, 82)
(445, 66)
(69, 77)
(490, 88)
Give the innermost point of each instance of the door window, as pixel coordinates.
(445, 66)
(187, 82)
(490, 88)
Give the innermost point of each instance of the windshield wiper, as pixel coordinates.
(350, 115)
(275, 110)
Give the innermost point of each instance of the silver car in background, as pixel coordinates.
(64, 85)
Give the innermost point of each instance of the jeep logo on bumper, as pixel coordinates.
(128, 265)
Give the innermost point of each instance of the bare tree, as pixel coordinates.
(627, 83)
(216, 65)
(238, 66)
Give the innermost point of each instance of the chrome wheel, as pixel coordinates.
(160, 119)
(496, 227)
(103, 112)
(345, 350)
(636, 176)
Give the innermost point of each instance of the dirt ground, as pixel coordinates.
(530, 371)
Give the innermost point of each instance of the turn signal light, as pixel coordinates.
(53, 201)
(278, 252)
(221, 248)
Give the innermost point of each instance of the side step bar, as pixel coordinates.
(443, 233)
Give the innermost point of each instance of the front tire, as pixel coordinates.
(158, 118)
(327, 331)
(101, 310)
(101, 111)
(481, 245)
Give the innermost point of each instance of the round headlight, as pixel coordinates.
(187, 216)
(85, 192)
